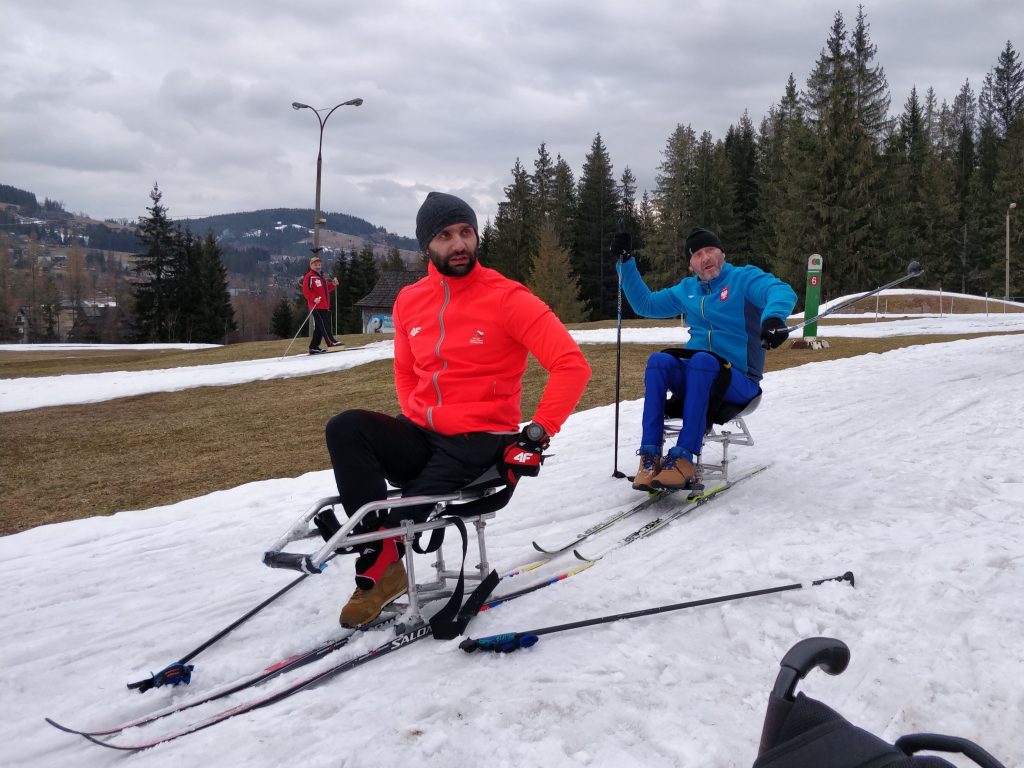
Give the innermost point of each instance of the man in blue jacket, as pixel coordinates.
(734, 314)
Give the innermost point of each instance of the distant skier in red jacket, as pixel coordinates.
(462, 334)
(317, 290)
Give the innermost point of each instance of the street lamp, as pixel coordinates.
(1008, 209)
(319, 158)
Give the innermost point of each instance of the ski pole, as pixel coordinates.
(513, 641)
(618, 366)
(297, 334)
(180, 672)
(913, 270)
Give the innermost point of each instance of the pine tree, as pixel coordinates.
(185, 294)
(1008, 187)
(552, 279)
(154, 268)
(215, 317)
(542, 184)
(562, 213)
(845, 211)
(515, 228)
(987, 207)
(596, 213)
(1007, 89)
(282, 322)
(393, 260)
(362, 276)
(674, 206)
(713, 190)
(961, 160)
(871, 89)
(743, 235)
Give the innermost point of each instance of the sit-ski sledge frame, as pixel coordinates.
(407, 531)
(728, 415)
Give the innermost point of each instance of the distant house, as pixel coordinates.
(375, 307)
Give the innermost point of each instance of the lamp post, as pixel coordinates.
(1009, 208)
(319, 158)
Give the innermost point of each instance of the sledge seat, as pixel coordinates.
(474, 504)
(726, 415)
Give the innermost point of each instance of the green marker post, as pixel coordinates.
(813, 298)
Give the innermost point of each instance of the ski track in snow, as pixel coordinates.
(906, 468)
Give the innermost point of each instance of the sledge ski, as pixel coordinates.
(653, 498)
(296, 661)
(658, 523)
(601, 525)
(411, 635)
(290, 664)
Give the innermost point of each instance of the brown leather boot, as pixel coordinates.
(365, 605)
(649, 467)
(676, 472)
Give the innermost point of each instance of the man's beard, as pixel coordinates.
(443, 266)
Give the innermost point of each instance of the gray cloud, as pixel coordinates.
(197, 95)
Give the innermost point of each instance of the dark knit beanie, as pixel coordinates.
(700, 238)
(438, 211)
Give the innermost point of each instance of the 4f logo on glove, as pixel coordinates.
(526, 458)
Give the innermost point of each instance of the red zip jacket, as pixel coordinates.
(460, 354)
(315, 284)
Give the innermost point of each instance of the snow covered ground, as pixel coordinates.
(906, 468)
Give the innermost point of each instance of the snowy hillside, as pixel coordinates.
(906, 468)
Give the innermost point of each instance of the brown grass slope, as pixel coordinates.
(69, 462)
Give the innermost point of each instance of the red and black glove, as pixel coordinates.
(525, 455)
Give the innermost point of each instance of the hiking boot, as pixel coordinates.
(676, 472)
(650, 465)
(365, 605)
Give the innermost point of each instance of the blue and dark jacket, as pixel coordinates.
(724, 315)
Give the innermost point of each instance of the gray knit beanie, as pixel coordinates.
(438, 211)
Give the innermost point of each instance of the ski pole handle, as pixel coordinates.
(504, 643)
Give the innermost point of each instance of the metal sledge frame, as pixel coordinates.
(407, 531)
(717, 433)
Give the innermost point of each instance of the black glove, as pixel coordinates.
(525, 455)
(622, 246)
(773, 333)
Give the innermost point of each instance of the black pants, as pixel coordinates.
(321, 319)
(370, 449)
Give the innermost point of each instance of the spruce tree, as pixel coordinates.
(515, 228)
(393, 260)
(743, 234)
(962, 162)
(1007, 89)
(215, 317)
(562, 213)
(282, 321)
(154, 269)
(553, 280)
(542, 184)
(674, 205)
(596, 214)
(713, 190)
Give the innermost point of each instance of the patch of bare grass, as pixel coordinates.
(70, 462)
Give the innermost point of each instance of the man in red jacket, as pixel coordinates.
(317, 290)
(462, 335)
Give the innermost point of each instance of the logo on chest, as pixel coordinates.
(723, 295)
(477, 337)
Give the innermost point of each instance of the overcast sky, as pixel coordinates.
(100, 99)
